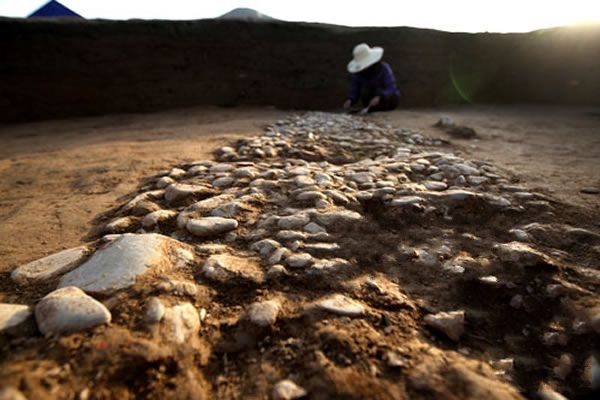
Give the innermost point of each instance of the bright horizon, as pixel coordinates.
(446, 15)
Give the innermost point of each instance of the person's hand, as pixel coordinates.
(347, 104)
(374, 101)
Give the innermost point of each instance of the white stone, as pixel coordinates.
(177, 173)
(299, 260)
(265, 247)
(276, 270)
(152, 219)
(209, 204)
(120, 224)
(223, 181)
(228, 210)
(407, 200)
(69, 309)
(222, 267)
(51, 266)
(337, 217)
(12, 315)
(180, 323)
(520, 235)
(179, 191)
(293, 221)
(519, 254)
(245, 173)
(299, 171)
(313, 228)
(278, 255)
(310, 195)
(435, 185)
(287, 235)
(164, 182)
(263, 313)
(465, 169)
(223, 167)
(209, 226)
(155, 310)
(304, 180)
(450, 323)
(287, 390)
(341, 305)
(117, 265)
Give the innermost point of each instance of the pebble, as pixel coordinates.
(209, 226)
(265, 247)
(223, 182)
(164, 182)
(341, 305)
(299, 260)
(12, 315)
(589, 190)
(518, 254)
(152, 219)
(313, 228)
(117, 265)
(222, 267)
(452, 323)
(50, 266)
(435, 185)
(407, 200)
(177, 192)
(178, 288)
(180, 323)
(155, 310)
(263, 313)
(287, 390)
(328, 219)
(69, 309)
(293, 221)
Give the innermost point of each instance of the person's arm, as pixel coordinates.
(389, 81)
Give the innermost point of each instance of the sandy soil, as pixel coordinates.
(59, 176)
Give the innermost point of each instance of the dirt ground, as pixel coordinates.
(58, 176)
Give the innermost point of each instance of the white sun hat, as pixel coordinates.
(364, 56)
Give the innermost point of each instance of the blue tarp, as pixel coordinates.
(54, 9)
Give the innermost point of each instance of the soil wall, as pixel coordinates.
(53, 69)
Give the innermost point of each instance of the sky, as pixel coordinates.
(447, 15)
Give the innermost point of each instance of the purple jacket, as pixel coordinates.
(382, 84)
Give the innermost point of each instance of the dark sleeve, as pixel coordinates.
(355, 88)
(389, 82)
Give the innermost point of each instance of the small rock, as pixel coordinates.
(164, 182)
(120, 225)
(276, 270)
(394, 360)
(220, 168)
(341, 305)
(407, 200)
(12, 315)
(152, 219)
(547, 393)
(180, 323)
(51, 266)
(520, 235)
(589, 190)
(155, 310)
(209, 226)
(287, 390)
(222, 267)
(69, 309)
(279, 255)
(452, 324)
(313, 228)
(177, 192)
(223, 181)
(293, 221)
(265, 246)
(337, 217)
(435, 185)
(519, 254)
(299, 260)
(263, 313)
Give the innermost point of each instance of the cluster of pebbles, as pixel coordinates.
(336, 219)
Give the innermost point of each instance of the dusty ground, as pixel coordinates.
(57, 176)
